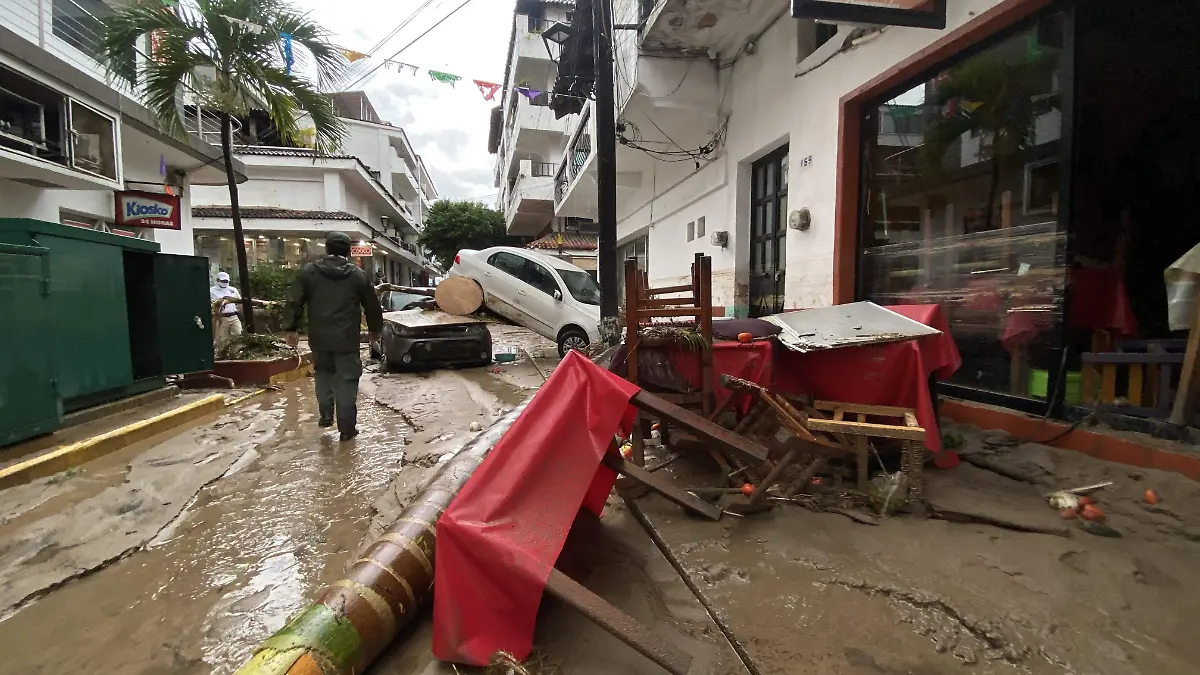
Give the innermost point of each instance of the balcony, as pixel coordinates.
(705, 26)
(575, 180)
(530, 204)
(528, 42)
(531, 128)
(403, 182)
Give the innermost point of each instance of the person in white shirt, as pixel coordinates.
(229, 323)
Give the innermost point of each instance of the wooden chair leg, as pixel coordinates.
(860, 447)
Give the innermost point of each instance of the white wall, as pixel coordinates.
(768, 106)
(293, 192)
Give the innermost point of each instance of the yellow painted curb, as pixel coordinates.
(84, 451)
(300, 373)
(243, 399)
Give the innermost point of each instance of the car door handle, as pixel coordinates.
(522, 293)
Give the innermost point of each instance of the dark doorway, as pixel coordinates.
(768, 187)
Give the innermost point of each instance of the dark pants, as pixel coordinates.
(337, 383)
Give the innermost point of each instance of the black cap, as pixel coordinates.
(339, 239)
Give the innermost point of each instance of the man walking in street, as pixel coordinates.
(336, 293)
(229, 324)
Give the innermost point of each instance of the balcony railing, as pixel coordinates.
(543, 169)
(580, 151)
(79, 23)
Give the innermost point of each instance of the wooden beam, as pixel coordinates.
(882, 410)
(667, 302)
(683, 288)
(738, 445)
(667, 489)
(868, 429)
(663, 312)
(619, 624)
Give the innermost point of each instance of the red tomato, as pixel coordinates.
(747, 489)
(1091, 512)
(745, 337)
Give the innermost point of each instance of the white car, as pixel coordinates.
(544, 294)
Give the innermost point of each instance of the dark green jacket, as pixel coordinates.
(333, 289)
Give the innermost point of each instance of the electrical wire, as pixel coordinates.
(401, 26)
(427, 31)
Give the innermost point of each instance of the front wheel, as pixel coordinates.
(572, 338)
(385, 365)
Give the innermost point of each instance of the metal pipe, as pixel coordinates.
(359, 615)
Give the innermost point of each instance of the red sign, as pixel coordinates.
(360, 251)
(147, 209)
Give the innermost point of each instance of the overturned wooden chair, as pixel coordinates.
(690, 308)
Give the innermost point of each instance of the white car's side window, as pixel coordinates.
(507, 263)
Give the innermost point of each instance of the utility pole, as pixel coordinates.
(606, 169)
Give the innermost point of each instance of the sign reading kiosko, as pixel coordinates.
(147, 209)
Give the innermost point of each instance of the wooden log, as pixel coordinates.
(459, 296)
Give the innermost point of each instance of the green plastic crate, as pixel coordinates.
(1039, 385)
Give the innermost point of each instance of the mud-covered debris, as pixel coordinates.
(253, 347)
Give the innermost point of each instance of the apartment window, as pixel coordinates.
(700, 227)
(93, 141)
(32, 118)
(78, 23)
(691, 230)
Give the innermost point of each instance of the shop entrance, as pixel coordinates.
(1136, 177)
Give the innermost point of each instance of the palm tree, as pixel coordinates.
(239, 45)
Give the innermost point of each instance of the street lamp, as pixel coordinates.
(559, 33)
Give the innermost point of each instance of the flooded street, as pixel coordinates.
(255, 543)
(181, 555)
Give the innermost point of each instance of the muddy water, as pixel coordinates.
(254, 547)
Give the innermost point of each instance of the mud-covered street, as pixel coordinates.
(182, 555)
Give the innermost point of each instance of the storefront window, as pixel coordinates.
(962, 207)
(285, 251)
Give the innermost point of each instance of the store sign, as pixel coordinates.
(913, 13)
(360, 251)
(147, 209)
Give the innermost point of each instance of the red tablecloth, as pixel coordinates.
(938, 352)
(750, 361)
(1099, 301)
(502, 534)
(895, 374)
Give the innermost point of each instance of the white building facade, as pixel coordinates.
(70, 139)
(376, 190)
(734, 118)
(529, 140)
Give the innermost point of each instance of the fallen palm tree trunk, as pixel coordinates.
(347, 629)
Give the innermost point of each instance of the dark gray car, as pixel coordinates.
(414, 337)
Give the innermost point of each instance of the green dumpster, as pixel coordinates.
(99, 317)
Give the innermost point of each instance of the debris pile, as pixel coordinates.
(253, 347)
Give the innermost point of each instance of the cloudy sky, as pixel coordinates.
(447, 126)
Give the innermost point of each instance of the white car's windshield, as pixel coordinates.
(581, 286)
